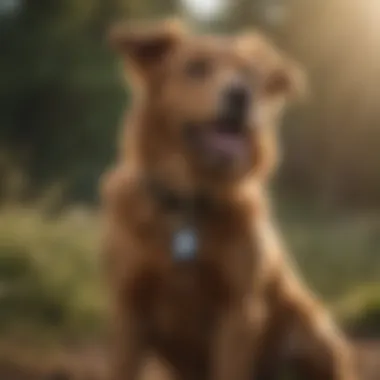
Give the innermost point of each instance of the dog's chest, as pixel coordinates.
(185, 285)
(184, 301)
(179, 308)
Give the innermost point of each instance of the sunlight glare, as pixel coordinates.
(204, 8)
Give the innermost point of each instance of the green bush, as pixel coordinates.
(335, 254)
(49, 273)
(359, 311)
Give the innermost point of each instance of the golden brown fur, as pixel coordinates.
(239, 303)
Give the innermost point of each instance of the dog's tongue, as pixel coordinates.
(227, 143)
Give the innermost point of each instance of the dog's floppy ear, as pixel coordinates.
(288, 79)
(144, 45)
(283, 76)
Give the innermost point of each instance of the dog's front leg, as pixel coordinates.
(127, 346)
(323, 353)
(233, 347)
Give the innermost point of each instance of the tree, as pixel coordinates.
(61, 94)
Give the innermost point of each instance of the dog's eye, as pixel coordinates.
(198, 68)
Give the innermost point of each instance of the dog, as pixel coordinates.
(196, 268)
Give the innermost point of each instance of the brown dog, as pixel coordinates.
(197, 272)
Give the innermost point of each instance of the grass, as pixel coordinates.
(49, 272)
(336, 254)
(50, 278)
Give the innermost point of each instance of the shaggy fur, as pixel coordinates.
(238, 309)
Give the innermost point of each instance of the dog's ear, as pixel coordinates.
(283, 76)
(287, 79)
(144, 45)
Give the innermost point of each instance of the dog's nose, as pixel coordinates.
(236, 101)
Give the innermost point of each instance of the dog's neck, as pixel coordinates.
(173, 200)
(199, 201)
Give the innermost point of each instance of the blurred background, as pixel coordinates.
(62, 97)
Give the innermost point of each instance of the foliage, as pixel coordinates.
(338, 253)
(49, 272)
(360, 310)
(61, 96)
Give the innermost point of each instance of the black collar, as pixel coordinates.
(174, 202)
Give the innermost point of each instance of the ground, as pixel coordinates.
(88, 363)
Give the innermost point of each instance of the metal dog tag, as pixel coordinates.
(185, 244)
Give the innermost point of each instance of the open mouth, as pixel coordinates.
(226, 140)
(220, 143)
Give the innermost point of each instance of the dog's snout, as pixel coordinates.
(237, 97)
(236, 101)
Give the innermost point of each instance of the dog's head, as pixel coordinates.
(211, 100)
